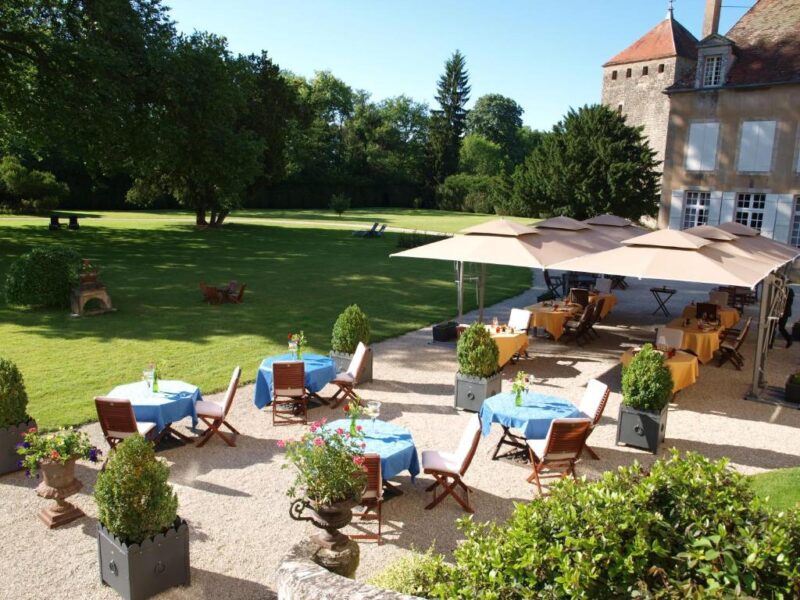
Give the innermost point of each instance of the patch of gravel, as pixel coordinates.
(234, 498)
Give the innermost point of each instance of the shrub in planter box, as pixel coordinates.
(478, 375)
(792, 393)
(351, 327)
(43, 277)
(14, 419)
(646, 390)
(143, 545)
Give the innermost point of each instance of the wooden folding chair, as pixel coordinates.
(577, 330)
(448, 468)
(372, 498)
(211, 294)
(214, 415)
(729, 350)
(596, 317)
(346, 381)
(289, 396)
(560, 450)
(554, 283)
(118, 421)
(579, 296)
(593, 404)
(707, 311)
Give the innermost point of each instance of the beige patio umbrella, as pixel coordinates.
(617, 228)
(742, 240)
(562, 238)
(673, 255)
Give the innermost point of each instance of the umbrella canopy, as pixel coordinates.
(673, 255)
(500, 227)
(608, 221)
(515, 251)
(616, 228)
(748, 242)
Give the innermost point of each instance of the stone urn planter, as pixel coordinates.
(641, 429)
(59, 483)
(139, 571)
(792, 389)
(341, 361)
(9, 438)
(472, 391)
(337, 552)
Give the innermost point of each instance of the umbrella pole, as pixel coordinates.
(460, 288)
(481, 292)
(765, 327)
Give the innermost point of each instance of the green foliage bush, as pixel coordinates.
(134, 500)
(340, 203)
(688, 528)
(451, 194)
(477, 352)
(28, 190)
(351, 327)
(414, 574)
(647, 381)
(43, 277)
(13, 397)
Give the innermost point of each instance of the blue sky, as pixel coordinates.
(545, 55)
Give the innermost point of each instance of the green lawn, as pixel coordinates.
(782, 487)
(297, 276)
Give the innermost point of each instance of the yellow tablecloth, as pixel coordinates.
(728, 316)
(611, 302)
(551, 320)
(508, 344)
(684, 367)
(701, 343)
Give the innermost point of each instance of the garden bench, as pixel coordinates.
(55, 224)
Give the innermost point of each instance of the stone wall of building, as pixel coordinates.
(636, 89)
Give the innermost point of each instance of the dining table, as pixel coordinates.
(392, 442)
(173, 402)
(727, 315)
(509, 342)
(608, 305)
(551, 316)
(701, 340)
(319, 371)
(532, 419)
(684, 367)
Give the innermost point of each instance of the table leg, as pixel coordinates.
(390, 490)
(662, 303)
(170, 431)
(509, 439)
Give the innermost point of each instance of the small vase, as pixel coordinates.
(353, 427)
(59, 483)
(299, 353)
(518, 399)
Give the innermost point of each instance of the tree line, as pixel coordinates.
(104, 102)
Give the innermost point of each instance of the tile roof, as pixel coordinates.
(767, 42)
(667, 39)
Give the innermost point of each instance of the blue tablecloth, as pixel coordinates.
(532, 418)
(173, 402)
(320, 370)
(393, 443)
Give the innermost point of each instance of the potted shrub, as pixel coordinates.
(143, 544)
(793, 388)
(646, 390)
(351, 327)
(55, 455)
(478, 375)
(329, 483)
(14, 419)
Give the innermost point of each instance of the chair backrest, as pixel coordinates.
(232, 385)
(116, 417)
(519, 319)
(587, 314)
(289, 378)
(594, 400)
(603, 286)
(468, 443)
(743, 334)
(372, 467)
(669, 337)
(579, 296)
(707, 311)
(547, 279)
(240, 295)
(719, 298)
(381, 230)
(566, 439)
(357, 364)
(374, 227)
(598, 310)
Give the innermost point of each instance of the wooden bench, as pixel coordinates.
(56, 225)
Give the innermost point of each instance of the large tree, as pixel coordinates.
(497, 118)
(449, 121)
(592, 162)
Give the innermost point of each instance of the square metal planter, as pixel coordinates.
(341, 361)
(139, 571)
(472, 391)
(640, 428)
(9, 438)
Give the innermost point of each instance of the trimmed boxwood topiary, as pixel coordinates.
(477, 352)
(43, 277)
(647, 381)
(13, 397)
(351, 327)
(687, 528)
(134, 500)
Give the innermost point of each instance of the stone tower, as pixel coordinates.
(634, 80)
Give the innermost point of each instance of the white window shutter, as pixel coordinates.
(755, 147)
(714, 207)
(783, 216)
(676, 209)
(770, 214)
(728, 207)
(710, 139)
(701, 147)
(694, 147)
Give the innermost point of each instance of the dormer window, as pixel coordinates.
(712, 71)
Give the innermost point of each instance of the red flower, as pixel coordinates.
(281, 444)
(290, 336)
(359, 460)
(346, 408)
(32, 430)
(339, 430)
(55, 455)
(359, 428)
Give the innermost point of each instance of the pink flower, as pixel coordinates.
(359, 428)
(363, 444)
(281, 444)
(339, 431)
(313, 429)
(359, 460)
(324, 420)
(318, 441)
(316, 424)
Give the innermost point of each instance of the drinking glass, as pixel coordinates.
(147, 375)
(374, 411)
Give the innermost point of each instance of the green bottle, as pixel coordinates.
(155, 380)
